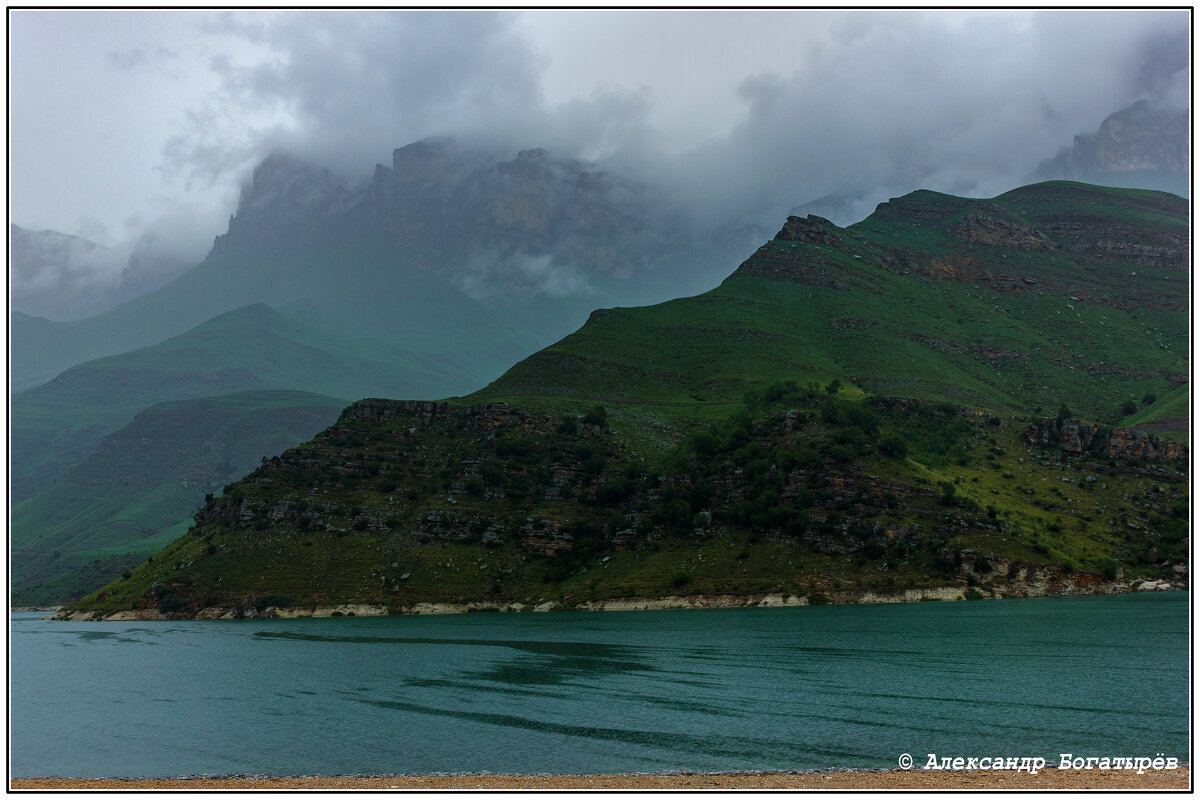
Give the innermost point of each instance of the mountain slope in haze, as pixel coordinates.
(254, 347)
(61, 427)
(112, 508)
(925, 402)
(444, 233)
(358, 290)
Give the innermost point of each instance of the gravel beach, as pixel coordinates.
(1177, 779)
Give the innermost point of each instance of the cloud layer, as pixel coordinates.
(872, 103)
(737, 116)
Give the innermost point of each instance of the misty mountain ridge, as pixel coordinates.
(501, 227)
(1142, 146)
(533, 224)
(63, 277)
(537, 237)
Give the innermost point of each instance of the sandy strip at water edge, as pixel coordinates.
(1177, 779)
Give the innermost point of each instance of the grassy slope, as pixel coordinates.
(130, 497)
(1175, 405)
(1169, 416)
(864, 313)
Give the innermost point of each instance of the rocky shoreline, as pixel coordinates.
(1037, 585)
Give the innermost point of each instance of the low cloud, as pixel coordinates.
(893, 103)
(67, 277)
(484, 277)
(129, 59)
(136, 57)
(348, 87)
(881, 104)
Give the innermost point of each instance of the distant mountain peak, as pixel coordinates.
(1144, 145)
(284, 195)
(425, 161)
(285, 183)
(56, 275)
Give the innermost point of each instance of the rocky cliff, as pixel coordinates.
(477, 217)
(1141, 139)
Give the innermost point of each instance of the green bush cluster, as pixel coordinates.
(596, 415)
(784, 393)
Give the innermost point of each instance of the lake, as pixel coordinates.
(729, 689)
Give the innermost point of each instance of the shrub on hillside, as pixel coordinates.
(894, 445)
(596, 415)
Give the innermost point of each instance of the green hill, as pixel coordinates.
(254, 347)
(888, 407)
(1168, 416)
(130, 497)
(1003, 304)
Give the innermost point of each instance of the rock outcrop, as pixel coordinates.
(995, 230)
(811, 229)
(1075, 437)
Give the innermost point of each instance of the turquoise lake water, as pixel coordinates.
(789, 688)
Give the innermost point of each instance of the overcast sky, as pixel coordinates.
(126, 121)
